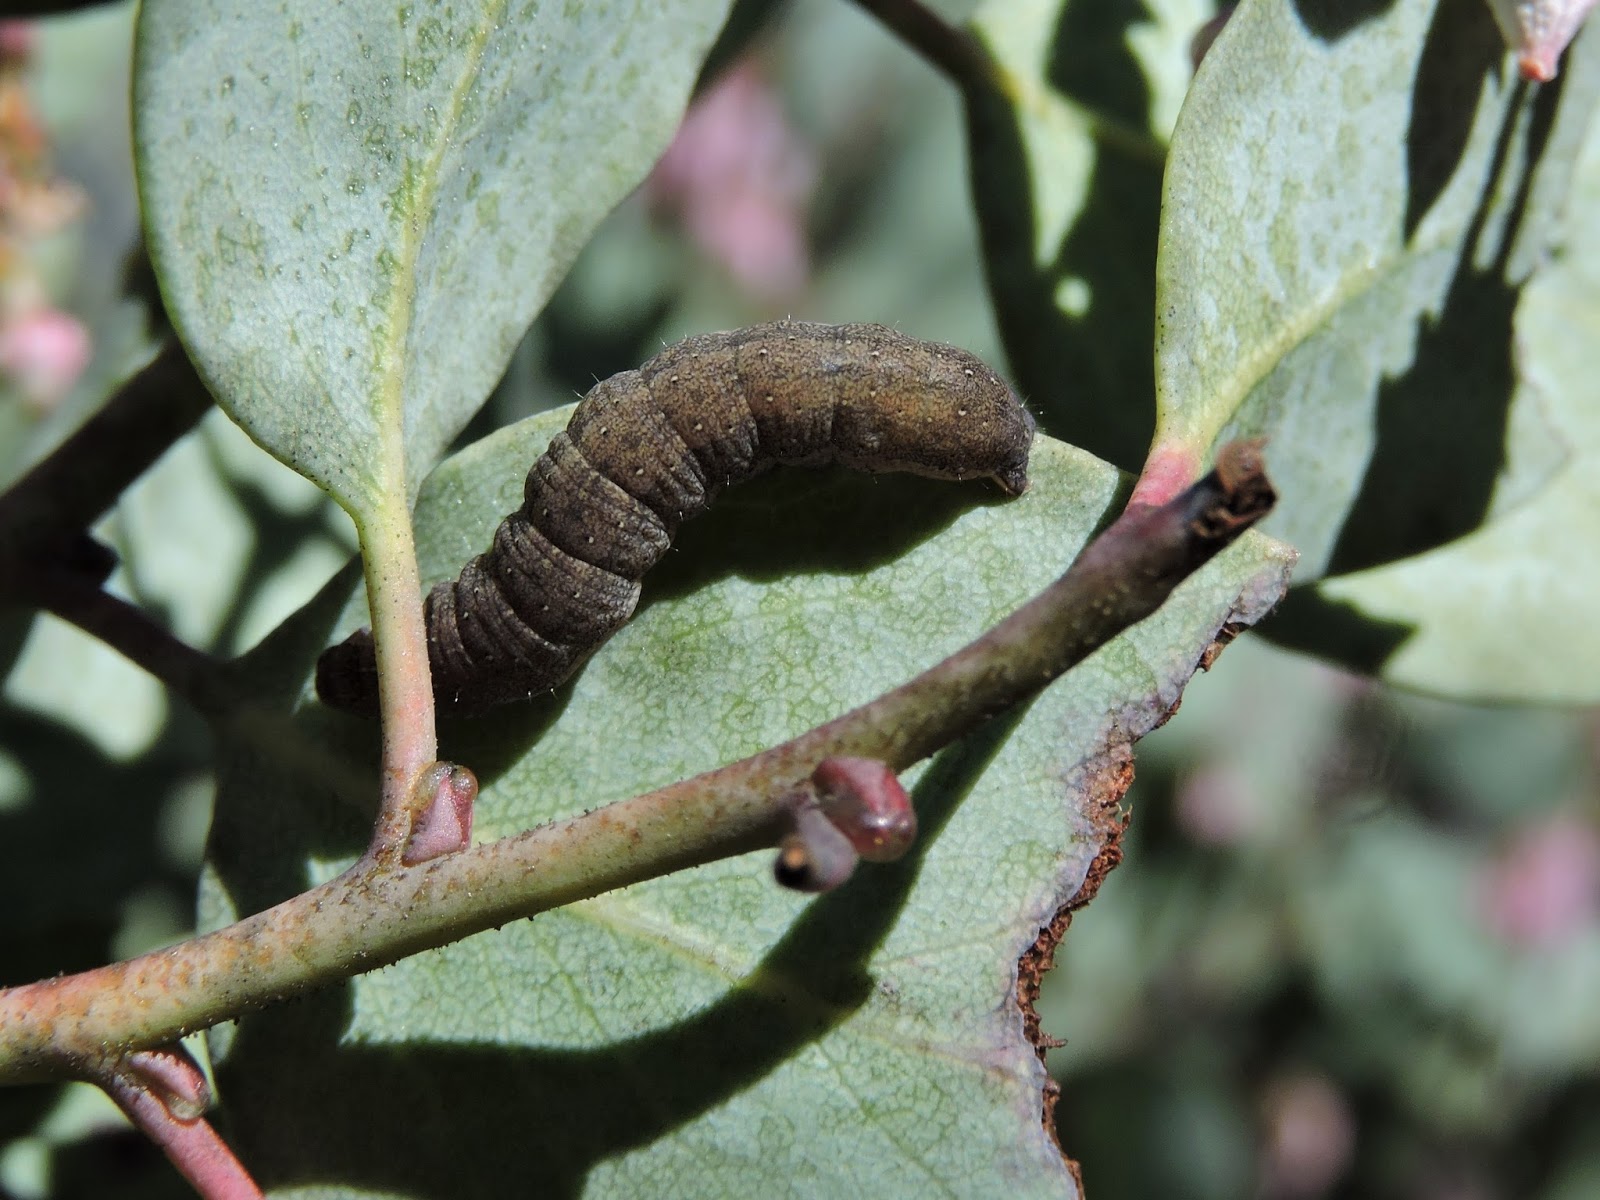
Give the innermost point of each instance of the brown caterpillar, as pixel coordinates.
(648, 449)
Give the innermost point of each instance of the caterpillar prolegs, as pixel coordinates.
(648, 449)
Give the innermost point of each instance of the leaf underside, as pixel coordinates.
(1374, 252)
(707, 1033)
(356, 209)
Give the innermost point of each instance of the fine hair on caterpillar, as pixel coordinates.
(646, 450)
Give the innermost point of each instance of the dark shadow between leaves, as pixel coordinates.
(451, 1121)
(1092, 62)
(279, 535)
(1087, 376)
(1442, 426)
(1308, 621)
(22, 1109)
(114, 1162)
(16, 625)
(1331, 20)
(86, 841)
(1462, 51)
(276, 792)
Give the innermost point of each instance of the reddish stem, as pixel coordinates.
(137, 1085)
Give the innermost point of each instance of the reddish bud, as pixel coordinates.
(173, 1078)
(866, 801)
(444, 825)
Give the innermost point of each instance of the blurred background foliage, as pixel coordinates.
(1355, 945)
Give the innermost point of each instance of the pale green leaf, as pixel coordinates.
(707, 1034)
(218, 532)
(356, 209)
(1356, 201)
(1508, 611)
(1066, 153)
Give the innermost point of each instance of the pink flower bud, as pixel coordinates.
(1545, 887)
(739, 178)
(43, 353)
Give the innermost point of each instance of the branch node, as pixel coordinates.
(865, 799)
(442, 804)
(851, 808)
(164, 1094)
(174, 1078)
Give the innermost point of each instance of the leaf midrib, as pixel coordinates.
(417, 221)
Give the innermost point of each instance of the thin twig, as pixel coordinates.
(83, 477)
(968, 64)
(205, 682)
(376, 914)
(187, 1139)
(127, 629)
(951, 50)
